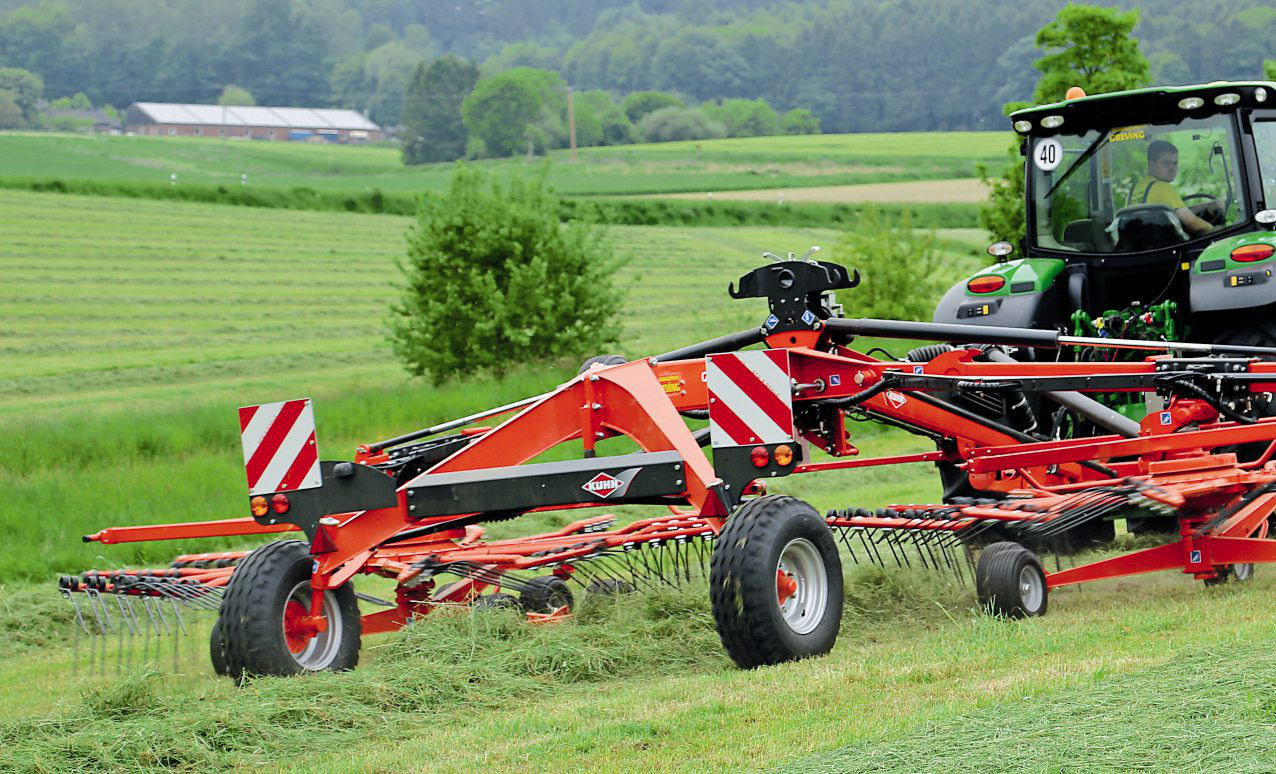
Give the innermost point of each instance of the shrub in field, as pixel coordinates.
(494, 279)
(744, 117)
(675, 123)
(902, 270)
(640, 103)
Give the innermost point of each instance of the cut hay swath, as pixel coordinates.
(413, 508)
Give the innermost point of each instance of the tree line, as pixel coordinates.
(450, 111)
(858, 65)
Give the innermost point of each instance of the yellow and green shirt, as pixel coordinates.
(1150, 190)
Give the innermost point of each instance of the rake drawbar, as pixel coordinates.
(413, 508)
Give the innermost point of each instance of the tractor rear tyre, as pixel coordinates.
(1010, 582)
(262, 617)
(546, 594)
(776, 583)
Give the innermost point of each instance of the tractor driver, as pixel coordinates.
(1155, 188)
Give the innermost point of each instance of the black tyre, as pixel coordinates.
(217, 649)
(609, 587)
(546, 594)
(260, 613)
(497, 601)
(776, 583)
(606, 360)
(1009, 581)
(1234, 573)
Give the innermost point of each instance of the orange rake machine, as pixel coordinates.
(412, 508)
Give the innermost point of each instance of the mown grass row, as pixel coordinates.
(626, 212)
(1159, 675)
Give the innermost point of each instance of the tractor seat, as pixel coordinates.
(1087, 235)
(1146, 227)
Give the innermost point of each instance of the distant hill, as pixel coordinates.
(860, 65)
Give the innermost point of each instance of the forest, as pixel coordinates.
(858, 65)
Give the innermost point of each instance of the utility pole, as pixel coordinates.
(571, 122)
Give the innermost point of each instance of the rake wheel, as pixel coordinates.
(776, 583)
(1010, 582)
(497, 601)
(262, 617)
(607, 360)
(546, 594)
(609, 587)
(217, 650)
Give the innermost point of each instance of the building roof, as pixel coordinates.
(282, 117)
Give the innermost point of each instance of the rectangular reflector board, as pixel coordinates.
(280, 454)
(750, 398)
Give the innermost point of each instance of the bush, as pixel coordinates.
(800, 121)
(903, 274)
(675, 123)
(493, 279)
(640, 103)
(744, 117)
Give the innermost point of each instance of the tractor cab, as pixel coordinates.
(1149, 198)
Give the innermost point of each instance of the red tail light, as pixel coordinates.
(1250, 253)
(280, 503)
(986, 284)
(760, 456)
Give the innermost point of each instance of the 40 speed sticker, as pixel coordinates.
(1048, 154)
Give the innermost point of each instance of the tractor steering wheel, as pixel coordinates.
(1215, 215)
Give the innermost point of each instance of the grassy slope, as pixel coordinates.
(768, 162)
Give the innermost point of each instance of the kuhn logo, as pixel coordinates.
(603, 485)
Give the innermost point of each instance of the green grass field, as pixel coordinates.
(758, 162)
(132, 329)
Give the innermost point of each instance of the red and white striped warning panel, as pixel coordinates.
(750, 398)
(280, 453)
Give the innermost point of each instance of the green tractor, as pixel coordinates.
(1149, 216)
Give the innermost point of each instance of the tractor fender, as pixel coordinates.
(1220, 282)
(1026, 299)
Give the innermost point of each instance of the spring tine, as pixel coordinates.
(80, 631)
(180, 629)
(890, 537)
(870, 547)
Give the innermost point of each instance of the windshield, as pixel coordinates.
(1132, 188)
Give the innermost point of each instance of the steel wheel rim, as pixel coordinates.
(801, 563)
(321, 649)
(1031, 588)
(1242, 572)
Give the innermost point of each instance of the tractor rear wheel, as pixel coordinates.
(546, 594)
(1010, 582)
(776, 583)
(264, 627)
